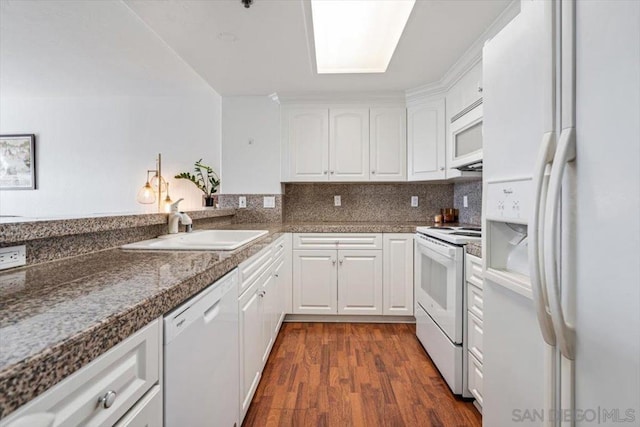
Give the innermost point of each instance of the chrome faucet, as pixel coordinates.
(176, 218)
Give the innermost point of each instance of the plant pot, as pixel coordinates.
(210, 201)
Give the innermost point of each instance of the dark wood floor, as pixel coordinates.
(326, 374)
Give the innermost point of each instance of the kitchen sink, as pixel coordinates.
(215, 240)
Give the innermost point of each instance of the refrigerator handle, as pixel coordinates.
(565, 153)
(536, 244)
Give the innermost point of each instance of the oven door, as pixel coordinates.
(439, 284)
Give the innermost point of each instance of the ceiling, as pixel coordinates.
(86, 48)
(272, 53)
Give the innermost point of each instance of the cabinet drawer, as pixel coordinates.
(475, 377)
(278, 247)
(128, 370)
(474, 300)
(474, 336)
(473, 270)
(146, 413)
(252, 268)
(337, 241)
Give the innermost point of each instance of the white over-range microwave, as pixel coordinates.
(466, 138)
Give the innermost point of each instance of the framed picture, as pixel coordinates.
(18, 162)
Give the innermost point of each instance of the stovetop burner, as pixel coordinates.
(466, 233)
(471, 228)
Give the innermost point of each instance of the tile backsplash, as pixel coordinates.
(472, 214)
(365, 202)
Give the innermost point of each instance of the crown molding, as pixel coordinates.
(468, 60)
(314, 98)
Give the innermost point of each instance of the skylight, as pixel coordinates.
(357, 36)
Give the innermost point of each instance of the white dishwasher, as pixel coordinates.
(201, 379)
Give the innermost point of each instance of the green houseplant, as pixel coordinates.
(207, 181)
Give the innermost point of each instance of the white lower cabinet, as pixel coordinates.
(473, 277)
(397, 277)
(146, 413)
(261, 309)
(337, 280)
(251, 343)
(102, 392)
(315, 279)
(359, 282)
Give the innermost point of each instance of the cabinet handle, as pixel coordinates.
(333, 261)
(341, 261)
(261, 294)
(107, 400)
(442, 168)
(331, 172)
(276, 275)
(325, 172)
(373, 172)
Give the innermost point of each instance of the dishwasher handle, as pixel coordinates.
(212, 312)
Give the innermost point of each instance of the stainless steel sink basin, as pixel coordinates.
(214, 240)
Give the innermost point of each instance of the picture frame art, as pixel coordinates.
(18, 162)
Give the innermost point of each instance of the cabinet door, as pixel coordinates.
(250, 344)
(147, 412)
(426, 141)
(388, 144)
(269, 296)
(359, 282)
(349, 144)
(305, 132)
(315, 282)
(397, 280)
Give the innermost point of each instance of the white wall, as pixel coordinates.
(250, 167)
(93, 153)
(103, 94)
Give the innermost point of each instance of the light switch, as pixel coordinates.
(465, 201)
(337, 201)
(414, 201)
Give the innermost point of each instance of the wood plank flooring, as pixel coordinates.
(347, 374)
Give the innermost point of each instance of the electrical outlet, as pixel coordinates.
(269, 201)
(465, 201)
(13, 256)
(242, 202)
(414, 201)
(337, 201)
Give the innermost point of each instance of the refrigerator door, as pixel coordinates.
(607, 359)
(518, 366)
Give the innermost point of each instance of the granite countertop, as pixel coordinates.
(474, 249)
(57, 317)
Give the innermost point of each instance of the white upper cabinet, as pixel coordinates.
(344, 143)
(305, 135)
(349, 144)
(388, 144)
(464, 93)
(426, 140)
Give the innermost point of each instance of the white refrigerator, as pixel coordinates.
(561, 216)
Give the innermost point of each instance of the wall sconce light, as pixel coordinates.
(153, 188)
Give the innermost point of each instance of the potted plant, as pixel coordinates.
(206, 180)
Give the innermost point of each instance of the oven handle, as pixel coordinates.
(438, 248)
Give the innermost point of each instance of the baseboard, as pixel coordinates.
(326, 318)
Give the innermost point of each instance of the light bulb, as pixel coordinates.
(146, 195)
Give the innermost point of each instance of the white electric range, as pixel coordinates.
(440, 298)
